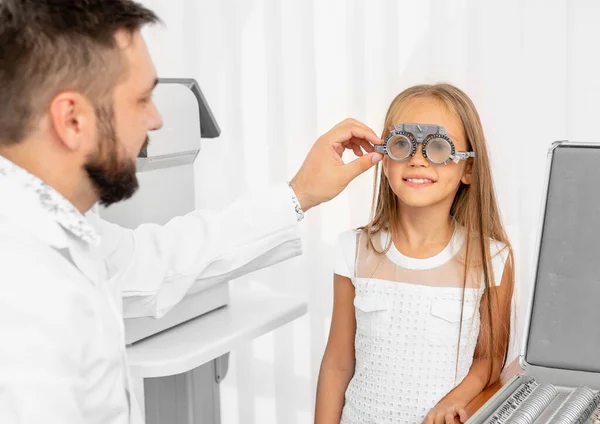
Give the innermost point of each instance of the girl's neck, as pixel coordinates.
(422, 232)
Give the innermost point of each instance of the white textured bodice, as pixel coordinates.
(406, 349)
(408, 325)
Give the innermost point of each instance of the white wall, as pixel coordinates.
(279, 73)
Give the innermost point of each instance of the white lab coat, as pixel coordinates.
(66, 282)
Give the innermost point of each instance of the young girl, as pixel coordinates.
(422, 294)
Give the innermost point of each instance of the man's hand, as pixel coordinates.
(323, 175)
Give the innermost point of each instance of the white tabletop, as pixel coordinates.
(250, 314)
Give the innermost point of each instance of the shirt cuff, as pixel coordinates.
(296, 204)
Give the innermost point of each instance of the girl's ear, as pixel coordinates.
(468, 174)
(384, 163)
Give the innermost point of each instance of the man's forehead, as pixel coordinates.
(141, 73)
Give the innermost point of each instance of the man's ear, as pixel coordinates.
(72, 118)
(468, 174)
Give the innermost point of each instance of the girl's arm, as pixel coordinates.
(479, 376)
(337, 366)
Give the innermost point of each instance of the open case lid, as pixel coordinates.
(562, 334)
(208, 123)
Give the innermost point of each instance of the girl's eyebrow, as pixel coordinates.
(451, 136)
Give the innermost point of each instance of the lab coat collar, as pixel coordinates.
(38, 202)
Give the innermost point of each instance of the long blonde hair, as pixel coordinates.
(474, 208)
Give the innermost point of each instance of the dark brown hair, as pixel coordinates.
(51, 46)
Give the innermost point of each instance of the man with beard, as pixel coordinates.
(76, 83)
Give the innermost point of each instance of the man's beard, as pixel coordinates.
(114, 180)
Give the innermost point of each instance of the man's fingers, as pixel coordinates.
(351, 122)
(367, 147)
(366, 134)
(346, 133)
(351, 144)
(323, 173)
(362, 164)
(463, 415)
(357, 150)
(364, 144)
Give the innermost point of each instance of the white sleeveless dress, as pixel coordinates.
(408, 322)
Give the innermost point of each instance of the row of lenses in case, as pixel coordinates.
(527, 404)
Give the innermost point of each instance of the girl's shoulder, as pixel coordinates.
(345, 253)
(499, 253)
(348, 237)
